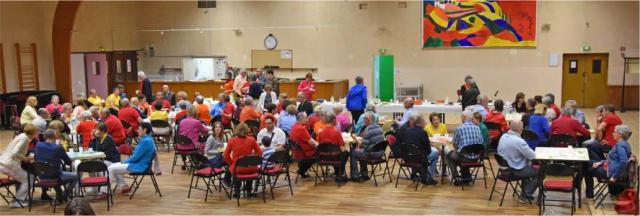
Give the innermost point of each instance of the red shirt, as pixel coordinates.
(497, 117)
(330, 134)
(165, 104)
(555, 110)
(130, 116)
(248, 113)
(84, 128)
(238, 147)
(227, 110)
(115, 129)
(612, 120)
(307, 87)
(301, 136)
(180, 115)
(567, 125)
(279, 107)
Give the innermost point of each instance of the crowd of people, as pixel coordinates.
(301, 125)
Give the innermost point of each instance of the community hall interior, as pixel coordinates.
(433, 107)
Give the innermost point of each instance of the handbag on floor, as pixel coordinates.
(627, 202)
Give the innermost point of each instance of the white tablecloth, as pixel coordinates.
(398, 108)
(562, 154)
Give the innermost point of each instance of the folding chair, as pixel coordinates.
(162, 132)
(45, 169)
(328, 155)
(280, 159)
(374, 161)
(246, 162)
(184, 147)
(138, 177)
(413, 158)
(531, 138)
(626, 178)
(472, 157)
(103, 180)
(563, 180)
(205, 172)
(6, 183)
(505, 173)
(295, 147)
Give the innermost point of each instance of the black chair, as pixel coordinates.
(530, 137)
(164, 137)
(493, 141)
(247, 162)
(132, 135)
(625, 178)
(184, 147)
(6, 183)
(38, 169)
(472, 157)
(505, 173)
(375, 161)
(138, 177)
(280, 159)
(562, 140)
(205, 172)
(254, 125)
(563, 181)
(102, 180)
(328, 155)
(295, 147)
(413, 158)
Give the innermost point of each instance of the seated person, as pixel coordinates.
(614, 165)
(267, 151)
(539, 124)
(227, 112)
(139, 161)
(215, 142)
(276, 135)
(317, 116)
(240, 146)
(477, 120)
(158, 113)
(416, 135)
(202, 110)
(270, 111)
(183, 105)
(435, 126)
(48, 151)
(330, 134)
(342, 118)
(11, 158)
(372, 134)
(495, 116)
(465, 134)
(165, 104)
(114, 126)
(305, 104)
(518, 155)
(606, 123)
(61, 138)
(565, 124)
(216, 109)
(248, 113)
(102, 142)
(304, 147)
(360, 121)
(287, 118)
(191, 128)
(129, 115)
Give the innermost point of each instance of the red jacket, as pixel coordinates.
(239, 147)
(497, 117)
(115, 129)
(569, 126)
(301, 136)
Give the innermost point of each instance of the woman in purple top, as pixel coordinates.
(342, 119)
(191, 128)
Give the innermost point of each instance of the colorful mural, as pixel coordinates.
(478, 23)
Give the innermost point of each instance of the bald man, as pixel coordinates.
(518, 155)
(168, 95)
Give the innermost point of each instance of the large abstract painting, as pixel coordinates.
(478, 23)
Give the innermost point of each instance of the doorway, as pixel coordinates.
(584, 78)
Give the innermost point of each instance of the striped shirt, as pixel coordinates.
(372, 134)
(467, 134)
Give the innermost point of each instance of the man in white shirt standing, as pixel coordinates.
(278, 137)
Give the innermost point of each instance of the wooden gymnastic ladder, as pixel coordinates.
(27, 59)
(2, 77)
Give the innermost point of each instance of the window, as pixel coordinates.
(573, 66)
(596, 65)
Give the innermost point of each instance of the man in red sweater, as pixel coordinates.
(129, 115)
(114, 126)
(565, 124)
(604, 140)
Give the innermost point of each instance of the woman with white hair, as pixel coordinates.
(145, 85)
(360, 121)
(617, 159)
(575, 113)
(85, 127)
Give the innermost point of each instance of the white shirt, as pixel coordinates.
(263, 97)
(278, 138)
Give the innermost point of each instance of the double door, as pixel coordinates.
(584, 78)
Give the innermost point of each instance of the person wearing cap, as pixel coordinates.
(614, 165)
(539, 124)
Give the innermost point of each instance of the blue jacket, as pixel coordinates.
(142, 155)
(357, 97)
(539, 125)
(214, 109)
(618, 157)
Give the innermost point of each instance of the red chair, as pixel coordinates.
(101, 180)
(280, 159)
(563, 181)
(205, 172)
(6, 183)
(476, 151)
(246, 162)
(184, 147)
(44, 169)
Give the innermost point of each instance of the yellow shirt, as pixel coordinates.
(442, 129)
(95, 100)
(27, 115)
(159, 115)
(112, 99)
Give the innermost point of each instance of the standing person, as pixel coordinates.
(303, 147)
(518, 155)
(11, 159)
(239, 83)
(519, 105)
(267, 97)
(139, 161)
(273, 80)
(470, 94)
(227, 87)
(466, 85)
(307, 86)
(93, 98)
(357, 99)
(54, 105)
(29, 112)
(145, 85)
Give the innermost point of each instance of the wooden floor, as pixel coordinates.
(326, 198)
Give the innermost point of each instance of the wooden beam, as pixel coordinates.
(2, 76)
(19, 65)
(35, 66)
(61, 36)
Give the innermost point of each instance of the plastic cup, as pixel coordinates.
(80, 149)
(90, 149)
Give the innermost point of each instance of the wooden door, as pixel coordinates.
(584, 79)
